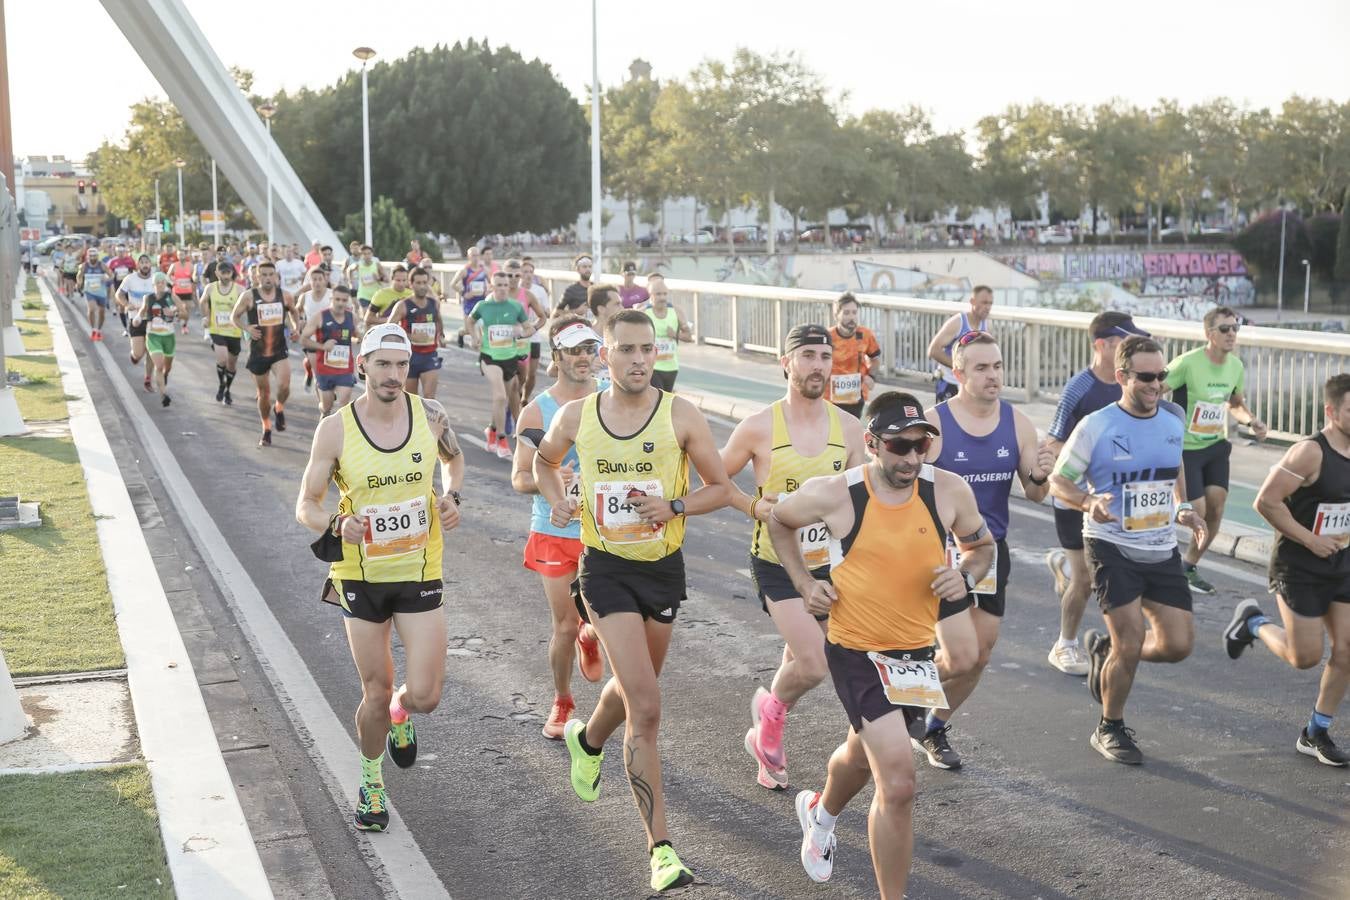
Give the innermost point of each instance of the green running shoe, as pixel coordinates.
(668, 872)
(401, 743)
(1198, 582)
(585, 768)
(372, 808)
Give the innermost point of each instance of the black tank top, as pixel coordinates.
(1292, 559)
(270, 317)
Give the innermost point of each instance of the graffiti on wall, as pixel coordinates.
(880, 278)
(1219, 276)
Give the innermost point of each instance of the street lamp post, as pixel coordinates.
(215, 207)
(1307, 284)
(364, 54)
(182, 236)
(597, 219)
(267, 111)
(1279, 284)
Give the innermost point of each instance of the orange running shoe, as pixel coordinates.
(588, 654)
(557, 717)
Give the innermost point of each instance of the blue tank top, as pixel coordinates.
(539, 520)
(945, 372)
(988, 464)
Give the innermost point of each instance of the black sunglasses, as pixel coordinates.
(1150, 377)
(905, 446)
(1227, 329)
(587, 348)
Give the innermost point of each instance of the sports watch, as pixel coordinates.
(677, 506)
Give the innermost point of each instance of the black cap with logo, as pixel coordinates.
(806, 335)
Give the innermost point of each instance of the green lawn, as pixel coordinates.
(82, 834)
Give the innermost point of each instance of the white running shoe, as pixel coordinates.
(817, 859)
(1070, 660)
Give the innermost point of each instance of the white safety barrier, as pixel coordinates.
(1042, 348)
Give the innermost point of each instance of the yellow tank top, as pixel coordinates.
(221, 309)
(615, 468)
(788, 469)
(882, 569)
(392, 489)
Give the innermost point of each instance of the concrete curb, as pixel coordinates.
(207, 842)
(1233, 541)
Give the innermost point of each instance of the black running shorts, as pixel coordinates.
(1119, 580)
(261, 365)
(665, 380)
(377, 601)
(859, 687)
(772, 583)
(509, 367)
(1206, 467)
(653, 590)
(231, 344)
(1310, 597)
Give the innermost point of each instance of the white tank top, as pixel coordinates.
(314, 306)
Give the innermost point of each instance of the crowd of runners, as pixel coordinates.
(845, 471)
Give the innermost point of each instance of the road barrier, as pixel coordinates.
(1042, 348)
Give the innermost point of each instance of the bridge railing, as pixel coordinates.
(1042, 348)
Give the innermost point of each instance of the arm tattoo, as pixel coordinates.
(447, 445)
(642, 791)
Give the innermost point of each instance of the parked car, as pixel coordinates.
(650, 239)
(703, 236)
(1056, 235)
(850, 233)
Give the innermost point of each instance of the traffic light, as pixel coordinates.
(93, 185)
(80, 184)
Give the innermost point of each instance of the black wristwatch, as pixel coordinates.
(677, 506)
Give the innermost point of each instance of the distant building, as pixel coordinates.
(48, 192)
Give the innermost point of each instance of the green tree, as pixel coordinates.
(628, 142)
(1342, 270)
(467, 140)
(390, 229)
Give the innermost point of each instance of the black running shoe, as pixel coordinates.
(401, 743)
(940, 753)
(164, 401)
(220, 393)
(1098, 648)
(280, 416)
(372, 808)
(265, 440)
(1116, 743)
(1321, 748)
(1237, 636)
(229, 401)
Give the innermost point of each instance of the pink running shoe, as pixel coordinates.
(764, 741)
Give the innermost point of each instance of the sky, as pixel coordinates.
(960, 61)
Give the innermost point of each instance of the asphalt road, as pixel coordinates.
(1222, 807)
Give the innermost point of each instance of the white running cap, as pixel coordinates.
(576, 333)
(388, 336)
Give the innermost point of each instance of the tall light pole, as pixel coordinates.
(1307, 284)
(364, 54)
(267, 111)
(215, 207)
(597, 220)
(1279, 288)
(178, 164)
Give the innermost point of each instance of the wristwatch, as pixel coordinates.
(677, 506)
(1181, 508)
(969, 580)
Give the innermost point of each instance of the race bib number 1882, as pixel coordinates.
(1147, 505)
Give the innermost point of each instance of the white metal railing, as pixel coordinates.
(1042, 348)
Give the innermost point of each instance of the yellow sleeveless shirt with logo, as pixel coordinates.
(613, 469)
(392, 489)
(221, 310)
(788, 469)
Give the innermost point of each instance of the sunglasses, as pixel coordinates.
(906, 446)
(1150, 377)
(588, 348)
(974, 337)
(1227, 329)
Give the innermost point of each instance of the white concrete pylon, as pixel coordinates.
(14, 342)
(13, 720)
(11, 420)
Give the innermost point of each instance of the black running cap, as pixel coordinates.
(805, 336)
(892, 420)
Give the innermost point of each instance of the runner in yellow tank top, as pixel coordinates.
(381, 451)
(884, 608)
(634, 444)
(217, 304)
(799, 437)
